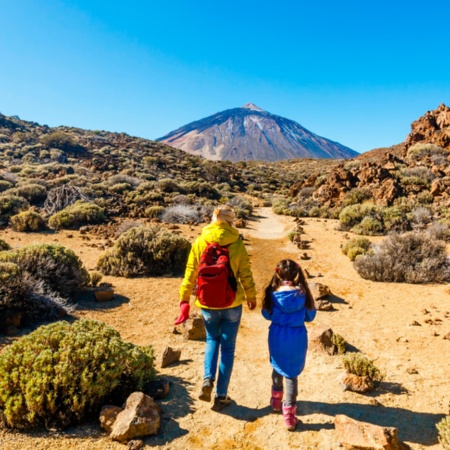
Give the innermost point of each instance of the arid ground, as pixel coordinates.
(375, 318)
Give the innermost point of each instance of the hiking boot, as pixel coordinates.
(275, 400)
(207, 387)
(290, 421)
(221, 402)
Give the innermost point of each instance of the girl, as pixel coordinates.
(288, 303)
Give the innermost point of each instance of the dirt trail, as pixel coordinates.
(375, 318)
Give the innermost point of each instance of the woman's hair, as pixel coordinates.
(224, 213)
(287, 270)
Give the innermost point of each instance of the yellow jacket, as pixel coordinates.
(223, 234)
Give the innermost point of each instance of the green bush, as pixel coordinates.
(413, 257)
(444, 432)
(11, 205)
(5, 185)
(361, 365)
(61, 374)
(355, 196)
(339, 342)
(146, 251)
(4, 245)
(57, 266)
(356, 246)
(369, 226)
(61, 141)
(34, 193)
(354, 214)
(76, 215)
(27, 221)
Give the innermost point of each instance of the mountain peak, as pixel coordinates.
(252, 106)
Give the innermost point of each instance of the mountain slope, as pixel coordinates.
(250, 133)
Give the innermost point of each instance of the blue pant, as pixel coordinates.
(222, 326)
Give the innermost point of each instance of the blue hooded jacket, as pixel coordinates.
(288, 339)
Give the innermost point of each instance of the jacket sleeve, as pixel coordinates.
(244, 274)
(266, 314)
(310, 315)
(190, 274)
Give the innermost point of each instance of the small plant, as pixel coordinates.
(369, 226)
(354, 214)
(4, 245)
(356, 246)
(411, 258)
(76, 215)
(355, 196)
(62, 373)
(444, 432)
(146, 251)
(340, 343)
(27, 221)
(96, 277)
(33, 193)
(361, 365)
(153, 212)
(11, 205)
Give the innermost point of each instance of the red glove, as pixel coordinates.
(184, 313)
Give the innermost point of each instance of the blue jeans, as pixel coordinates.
(222, 326)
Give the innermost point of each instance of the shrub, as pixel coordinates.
(11, 205)
(369, 226)
(355, 196)
(243, 207)
(34, 193)
(412, 258)
(62, 373)
(57, 266)
(356, 246)
(280, 205)
(444, 432)
(339, 342)
(5, 185)
(4, 245)
(27, 221)
(61, 141)
(154, 212)
(421, 216)
(361, 365)
(438, 231)
(120, 188)
(146, 251)
(80, 213)
(167, 185)
(420, 150)
(96, 277)
(127, 225)
(353, 214)
(19, 291)
(182, 214)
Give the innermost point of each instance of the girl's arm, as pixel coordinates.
(266, 314)
(310, 314)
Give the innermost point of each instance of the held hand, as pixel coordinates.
(251, 303)
(184, 313)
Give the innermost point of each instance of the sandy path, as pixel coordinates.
(376, 318)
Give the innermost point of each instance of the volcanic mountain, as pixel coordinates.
(250, 133)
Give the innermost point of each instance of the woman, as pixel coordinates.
(221, 324)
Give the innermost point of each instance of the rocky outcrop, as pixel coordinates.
(433, 127)
(250, 133)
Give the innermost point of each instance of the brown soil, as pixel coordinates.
(375, 318)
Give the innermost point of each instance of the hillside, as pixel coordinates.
(250, 133)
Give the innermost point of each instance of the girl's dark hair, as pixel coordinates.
(287, 270)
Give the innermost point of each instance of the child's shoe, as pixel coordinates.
(207, 387)
(290, 421)
(275, 400)
(221, 402)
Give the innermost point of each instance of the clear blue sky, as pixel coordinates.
(355, 72)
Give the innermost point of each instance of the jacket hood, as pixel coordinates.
(289, 301)
(222, 233)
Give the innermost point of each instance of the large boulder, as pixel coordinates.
(355, 435)
(141, 417)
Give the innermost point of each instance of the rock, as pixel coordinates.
(323, 305)
(355, 435)
(304, 256)
(437, 187)
(322, 339)
(414, 323)
(157, 389)
(135, 444)
(108, 416)
(104, 295)
(194, 329)
(356, 383)
(170, 356)
(240, 223)
(447, 336)
(412, 371)
(319, 290)
(141, 417)
(11, 318)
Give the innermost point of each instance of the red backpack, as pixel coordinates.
(216, 284)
